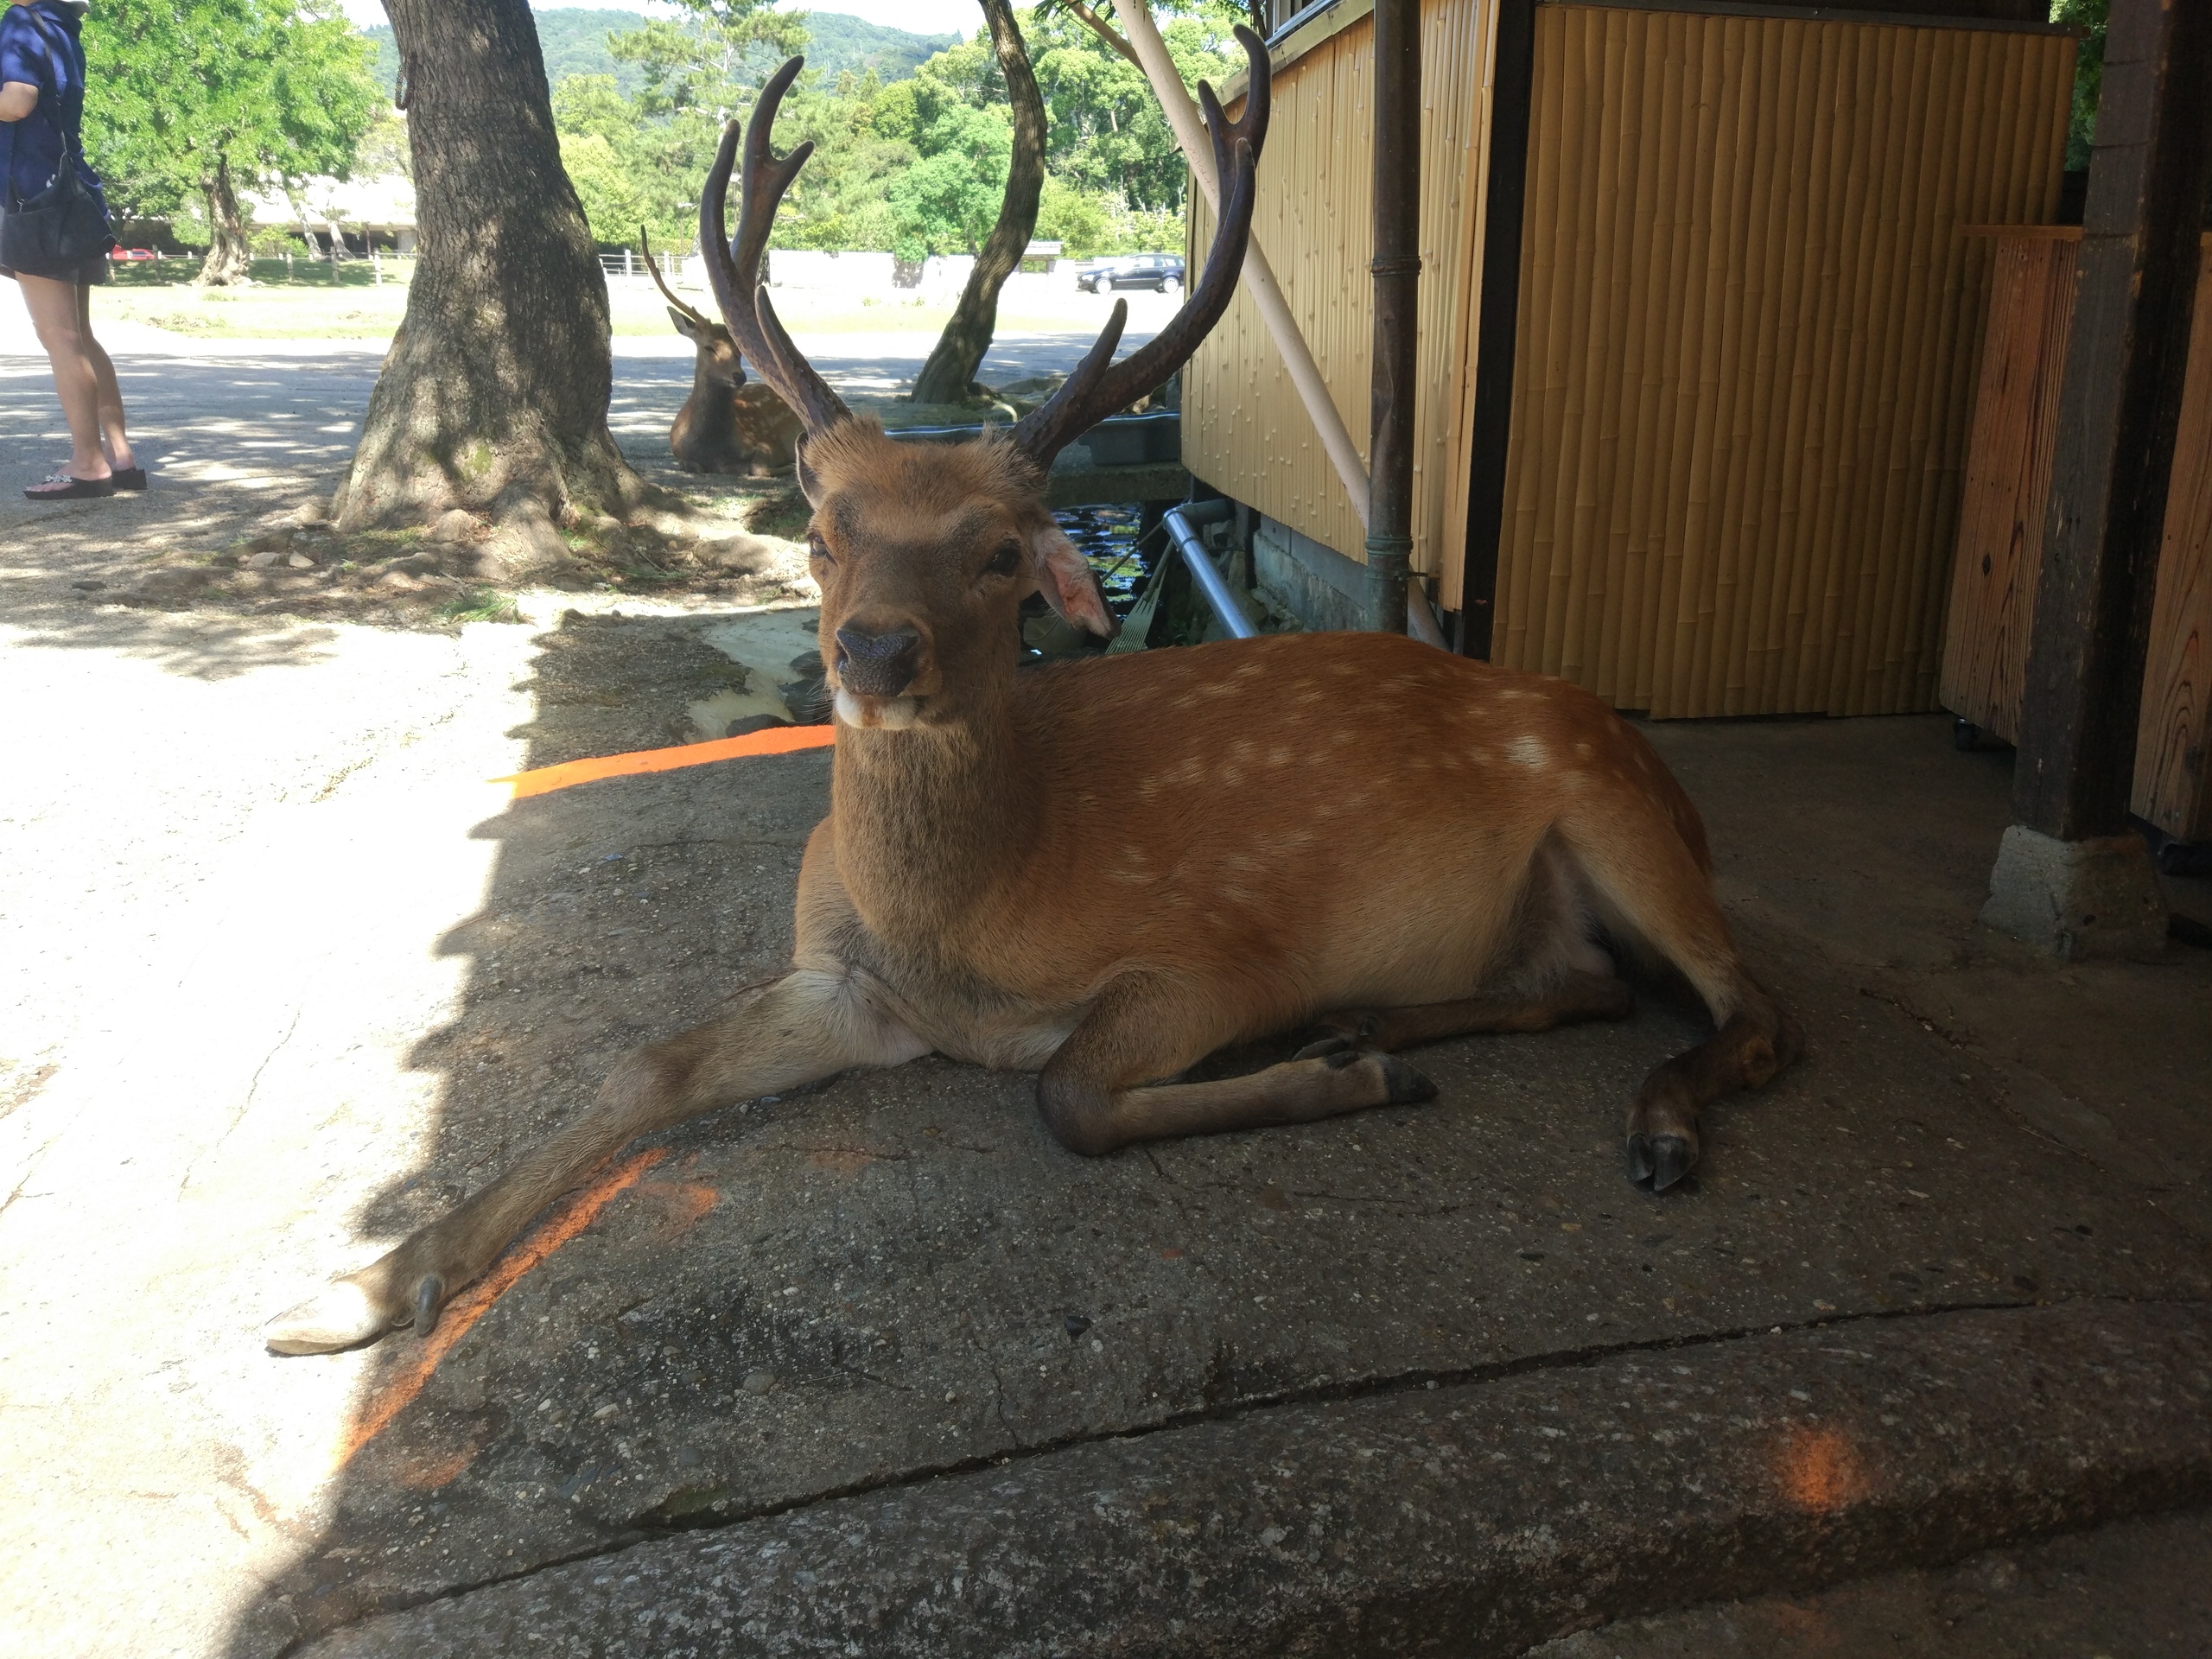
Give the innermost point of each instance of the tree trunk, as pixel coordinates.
(230, 254)
(493, 397)
(946, 378)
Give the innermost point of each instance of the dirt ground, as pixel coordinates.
(247, 439)
(288, 974)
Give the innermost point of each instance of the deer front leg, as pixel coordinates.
(808, 1025)
(1097, 1093)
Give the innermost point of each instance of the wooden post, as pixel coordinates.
(1396, 268)
(2071, 876)
(1497, 318)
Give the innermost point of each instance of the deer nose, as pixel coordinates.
(877, 664)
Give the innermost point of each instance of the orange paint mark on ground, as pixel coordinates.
(428, 1473)
(1820, 1470)
(473, 1303)
(682, 1201)
(777, 740)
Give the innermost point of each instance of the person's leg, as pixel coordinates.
(53, 306)
(116, 441)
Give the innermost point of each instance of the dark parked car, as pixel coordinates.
(1162, 272)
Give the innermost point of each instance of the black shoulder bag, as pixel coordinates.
(64, 227)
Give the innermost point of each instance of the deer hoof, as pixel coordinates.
(339, 1317)
(1671, 1158)
(1322, 1048)
(1639, 1158)
(429, 1295)
(1407, 1087)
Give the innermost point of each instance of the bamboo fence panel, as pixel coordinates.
(1245, 431)
(1744, 375)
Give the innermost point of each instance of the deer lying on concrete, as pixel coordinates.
(728, 423)
(1106, 870)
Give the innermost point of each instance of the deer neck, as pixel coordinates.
(712, 402)
(930, 821)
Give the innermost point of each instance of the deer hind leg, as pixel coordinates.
(807, 1025)
(1655, 900)
(1576, 996)
(1097, 1093)
(1553, 973)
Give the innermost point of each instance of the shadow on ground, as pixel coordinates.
(241, 444)
(895, 1275)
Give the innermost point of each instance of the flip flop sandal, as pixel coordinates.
(128, 477)
(62, 487)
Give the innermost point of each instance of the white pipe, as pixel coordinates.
(1421, 621)
(1266, 294)
(1204, 571)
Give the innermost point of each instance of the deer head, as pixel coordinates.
(719, 363)
(924, 553)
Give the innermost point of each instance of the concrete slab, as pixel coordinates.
(286, 977)
(898, 1274)
(1466, 1519)
(2141, 1588)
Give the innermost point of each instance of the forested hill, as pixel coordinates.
(575, 43)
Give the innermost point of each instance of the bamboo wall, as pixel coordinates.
(1746, 346)
(1245, 431)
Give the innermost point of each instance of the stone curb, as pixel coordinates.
(1473, 1518)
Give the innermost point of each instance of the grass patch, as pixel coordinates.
(479, 605)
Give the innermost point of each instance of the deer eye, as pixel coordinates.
(1005, 560)
(817, 548)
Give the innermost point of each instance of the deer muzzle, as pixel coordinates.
(877, 664)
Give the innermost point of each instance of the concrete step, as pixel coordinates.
(1472, 1516)
(2141, 1589)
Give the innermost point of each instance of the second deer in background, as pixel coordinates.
(728, 423)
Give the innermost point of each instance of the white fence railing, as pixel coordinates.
(854, 275)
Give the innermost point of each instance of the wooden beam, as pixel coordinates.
(2150, 176)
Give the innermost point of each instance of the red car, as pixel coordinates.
(131, 253)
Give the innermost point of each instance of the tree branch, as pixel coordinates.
(1105, 30)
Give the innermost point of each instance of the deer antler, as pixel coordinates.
(1095, 391)
(734, 267)
(666, 292)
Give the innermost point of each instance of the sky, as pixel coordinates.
(921, 17)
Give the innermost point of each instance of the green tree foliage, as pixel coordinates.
(575, 41)
(629, 171)
(2089, 17)
(699, 59)
(1107, 132)
(917, 165)
(203, 98)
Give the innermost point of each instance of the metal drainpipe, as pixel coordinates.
(1396, 268)
(1181, 522)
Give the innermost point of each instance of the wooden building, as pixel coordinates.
(1696, 381)
(2001, 531)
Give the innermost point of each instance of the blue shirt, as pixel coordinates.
(42, 52)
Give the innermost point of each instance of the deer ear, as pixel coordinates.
(1069, 584)
(809, 484)
(684, 326)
